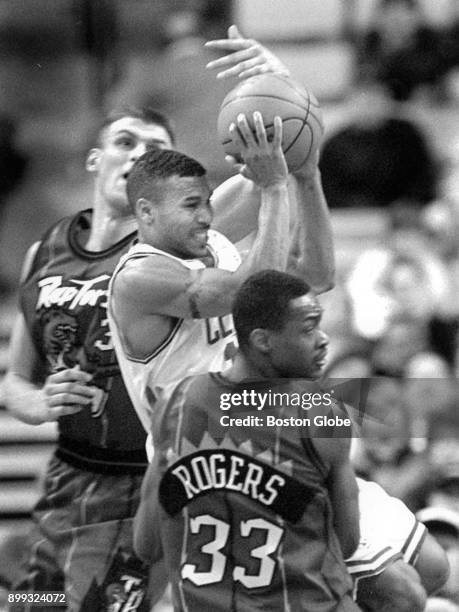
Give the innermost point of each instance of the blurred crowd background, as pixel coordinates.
(387, 75)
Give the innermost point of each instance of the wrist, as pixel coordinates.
(274, 186)
(307, 174)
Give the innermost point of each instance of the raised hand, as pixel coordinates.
(246, 57)
(264, 161)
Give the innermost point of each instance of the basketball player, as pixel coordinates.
(391, 539)
(254, 518)
(170, 297)
(63, 368)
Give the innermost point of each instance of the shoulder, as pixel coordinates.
(225, 253)
(146, 267)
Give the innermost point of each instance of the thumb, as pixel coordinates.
(233, 32)
(232, 161)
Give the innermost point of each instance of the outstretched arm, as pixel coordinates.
(247, 57)
(236, 202)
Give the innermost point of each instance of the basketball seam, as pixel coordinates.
(270, 97)
(270, 125)
(300, 132)
(310, 106)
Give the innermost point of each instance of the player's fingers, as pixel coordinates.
(245, 130)
(257, 69)
(70, 374)
(233, 162)
(242, 68)
(65, 399)
(66, 410)
(260, 131)
(236, 57)
(277, 138)
(51, 389)
(233, 32)
(55, 412)
(236, 137)
(231, 44)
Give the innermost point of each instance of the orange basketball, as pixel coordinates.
(271, 95)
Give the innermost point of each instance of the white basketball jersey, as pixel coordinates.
(193, 346)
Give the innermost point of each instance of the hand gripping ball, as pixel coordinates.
(273, 94)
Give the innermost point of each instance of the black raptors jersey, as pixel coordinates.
(64, 301)
(244, 514)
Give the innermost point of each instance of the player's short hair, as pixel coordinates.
(147, 114)
(263, 302)
(156, 165)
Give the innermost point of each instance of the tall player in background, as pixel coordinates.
(63, 367)
(255, 517)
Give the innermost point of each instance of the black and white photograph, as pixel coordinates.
(229, 305)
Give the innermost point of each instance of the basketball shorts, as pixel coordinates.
(83, 539)
(388, 531)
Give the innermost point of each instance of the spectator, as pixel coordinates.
(383, 452)
(397, 282)
(379, 157)
(402, 51)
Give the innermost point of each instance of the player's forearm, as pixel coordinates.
(315, 259)
(344, 498)
(236, 205)
(270, 248)
(214, 292)
(24, 399)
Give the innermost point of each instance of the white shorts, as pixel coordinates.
(388, 531)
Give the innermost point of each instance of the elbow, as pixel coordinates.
(323, 280)
(142, 551)
(323, 287)
(432, 565)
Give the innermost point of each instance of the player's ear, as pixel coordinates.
(145, 210)
(259, 339)
(93, 159)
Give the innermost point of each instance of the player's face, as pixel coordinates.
(184, 217)
(299, 349)
(122, 143)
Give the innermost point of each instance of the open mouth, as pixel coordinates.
(321, 360)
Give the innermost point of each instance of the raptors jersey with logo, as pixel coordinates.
(64, 301)
(242, 514)
(193, 346)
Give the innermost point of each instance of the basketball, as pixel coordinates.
(271, 95)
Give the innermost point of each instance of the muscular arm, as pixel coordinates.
(342, 490)
(313, 256)
(63, 393)
(147, 526)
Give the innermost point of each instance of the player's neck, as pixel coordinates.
(107, 228)
(244, 368)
